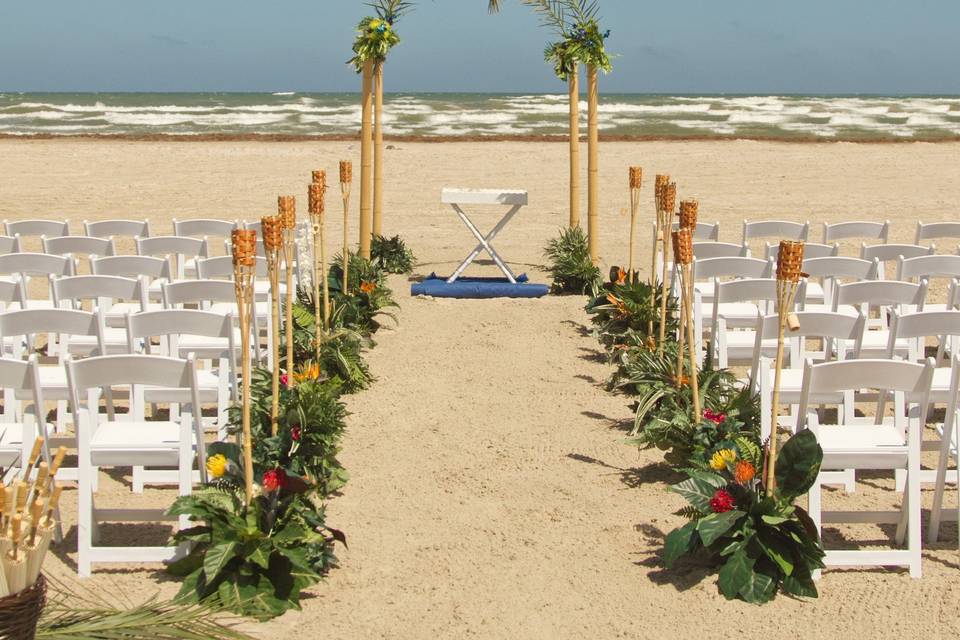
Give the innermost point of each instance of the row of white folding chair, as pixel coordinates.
(890, 444)
(856, 230)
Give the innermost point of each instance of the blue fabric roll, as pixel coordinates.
(437, 287)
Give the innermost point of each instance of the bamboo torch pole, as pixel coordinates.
(366, 143)
(669, 203)
(378, 149)
(683, 256)
(593, 165)
(789, 267)
(574, 84)
(321, 290)
(636, 180)
(287, 208)
(272, 228)
(688, 220)
(244, 262)
(346, 181)
(659, 184)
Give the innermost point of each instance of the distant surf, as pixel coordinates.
(290, 114)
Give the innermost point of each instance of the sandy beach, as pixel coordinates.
(491, 494)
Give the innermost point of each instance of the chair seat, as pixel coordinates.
(136, 443)
(940, 386)
(738, 312)
(117, 314)
(876, 340)
(746, 338)
(114, 337)
(862, 446)
(206, 346)
(53, 381)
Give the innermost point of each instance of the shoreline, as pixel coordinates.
(284, 138)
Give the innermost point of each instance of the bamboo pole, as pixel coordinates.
(346, 182)
(272, 228)
(666, 224)
(683, 257)
(659, 185)
(321, 289)
(366, 143)
(574, 85)
(287, 208)
(789, 265)
(244, 262)
(378, 150)
(636, 181)
(681, 341)
(593, 165)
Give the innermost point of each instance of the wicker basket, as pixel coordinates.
(20, 612)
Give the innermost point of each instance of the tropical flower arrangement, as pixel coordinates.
(570, 266)
(622, 313)
(391, 255)
(375, 38)
(585, 43)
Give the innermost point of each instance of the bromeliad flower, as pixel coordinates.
(744, 472)
(716, 418)
(722, 501)
(274, 479)
(285, 379)
(368, 287)
(295, 433)
(722, 458)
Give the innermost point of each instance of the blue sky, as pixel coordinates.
(691, 46)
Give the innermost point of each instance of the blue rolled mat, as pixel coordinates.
(437, 287)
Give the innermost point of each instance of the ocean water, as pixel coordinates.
(875, 118)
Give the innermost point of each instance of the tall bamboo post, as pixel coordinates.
(669, 202)
(593, 165)
(659, 185)
(789, 267)
(366, 159)
(683, 257)
(636, 181)
(272, 229)
(573, 80)
(346, 182)
(244, 247)
(378, 149)
(321, 292)
(287, 210)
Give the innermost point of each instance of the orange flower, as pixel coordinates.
(621, 276)
(368, 287)
(308, 372)
(683, 381)
(744, 472)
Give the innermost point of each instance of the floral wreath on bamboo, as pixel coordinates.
(583, 43)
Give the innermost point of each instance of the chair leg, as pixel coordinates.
(814, 509)
(138, 480)
(933, 532)
(84, 519)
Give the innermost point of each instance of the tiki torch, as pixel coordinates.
(683, 257)
(660, 184)
(636, 180)
(688, 220)
(287, 211)
(318, 191)
(272, 228)
(789, 272)
(668, 203)
(346, 179)
(244, 246)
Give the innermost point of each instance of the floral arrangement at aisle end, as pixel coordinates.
(391, 255)
(570, 265)
(623, 313)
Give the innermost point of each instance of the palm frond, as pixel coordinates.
(391, 10)
(493, 6)
(553, 13)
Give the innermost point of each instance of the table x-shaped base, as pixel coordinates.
(485, 243)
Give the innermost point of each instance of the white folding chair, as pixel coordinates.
(889, 444)
(949, 439)
(156, 270)
(931, 268)
(115, 296)
(9, 244)
(735, 307)
(880, 295)
(928, 231)
(885, 253)
(829, 271)
(856, 230)
(117, 228)
(34, 228)
(221, 267)
(713, 249)
(17, 433)
(810, 250)
(183, 248)
(779, 229)
(136, 441)
(203, 228)
(702, 232)
(37, 265)
(78, 246)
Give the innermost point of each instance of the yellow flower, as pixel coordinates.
(722, 458)
(217, 465)
(308, 372)
(375, 24)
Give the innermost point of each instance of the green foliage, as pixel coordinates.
(375, 38)
(571, 268)
(622, 313)
(391, 255)
(367, 296)
(577, 24)
(763, 544)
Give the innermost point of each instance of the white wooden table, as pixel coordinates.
(457, 197)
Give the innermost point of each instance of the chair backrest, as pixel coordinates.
(9, 244)
(880, 293)
(102, 290)
(27, 228)
(736, 267)
(712, 249)
(222, 267)
(37, 264)
(782, 229)
(182, 247)
(118, 228)
(65, 322)
(841, 267)
(932, 230)
(936, 266)
(891, 252)
(172, 323)
(915, 327)
(12, 292)
(78, 246)
(204, 227)
(132, 267)
(856, 229)
(199, 292)
(810, 250)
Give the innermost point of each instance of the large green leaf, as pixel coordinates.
(777, 548)
(798, 464)
(758, 589)
(217, 557)
(800, 583)
(678, 542)
(735, 574)
(699, 488)
(715, 525)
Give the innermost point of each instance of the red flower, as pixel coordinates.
(721, 502)
(274, 479)
(295, 432)
(716, 418)
(284, 379)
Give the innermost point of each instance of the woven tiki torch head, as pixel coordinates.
(790, 261)
(346, 172)
(670, 197)
(683, 246)
(272, 228)
(688, 214)
(659, 184)
(244, 247)
(636, 177)
(319, 177)
(317, 191)
(287, 211)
